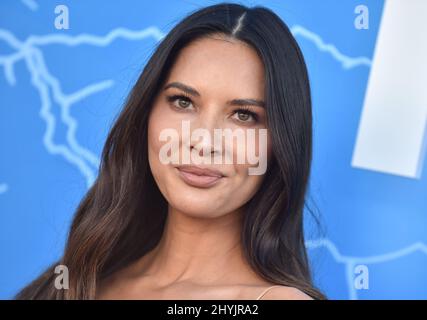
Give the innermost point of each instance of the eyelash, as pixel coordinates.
(245, 110)
(173, 98)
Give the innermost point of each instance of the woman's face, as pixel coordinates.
(204, 89)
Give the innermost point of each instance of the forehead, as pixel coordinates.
(218, 65)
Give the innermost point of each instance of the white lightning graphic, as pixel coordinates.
(30, 4)
(347, 62)
(86, 162)
(3, 188)
(350, 261)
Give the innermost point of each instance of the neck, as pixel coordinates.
(200, 250)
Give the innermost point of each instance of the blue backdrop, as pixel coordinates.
(60, 90)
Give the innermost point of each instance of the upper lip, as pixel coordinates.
(201, 171)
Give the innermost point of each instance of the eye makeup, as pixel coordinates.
(175, 99)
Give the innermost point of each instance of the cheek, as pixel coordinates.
(160, 119)
(157, 122)
(255, 150)
(246, 184)
(154, 144)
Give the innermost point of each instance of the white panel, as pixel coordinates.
(391, 136)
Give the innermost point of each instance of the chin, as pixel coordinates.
(200, 207)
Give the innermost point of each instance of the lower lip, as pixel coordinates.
(198, 181)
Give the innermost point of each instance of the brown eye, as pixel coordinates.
(243, 116)
(180, 101)
(184, 103)
(246, 116)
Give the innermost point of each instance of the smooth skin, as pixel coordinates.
(200, 255)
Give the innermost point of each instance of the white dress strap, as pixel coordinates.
(266, 290)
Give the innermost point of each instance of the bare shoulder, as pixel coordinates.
(285, 293)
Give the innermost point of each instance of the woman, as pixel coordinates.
(149, 229)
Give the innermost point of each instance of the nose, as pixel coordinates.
(204, 148)
(202, 139)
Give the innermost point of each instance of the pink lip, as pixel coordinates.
(199, 177)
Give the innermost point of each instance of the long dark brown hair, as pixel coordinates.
(123, 214)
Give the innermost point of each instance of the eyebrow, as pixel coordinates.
(194, 92)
